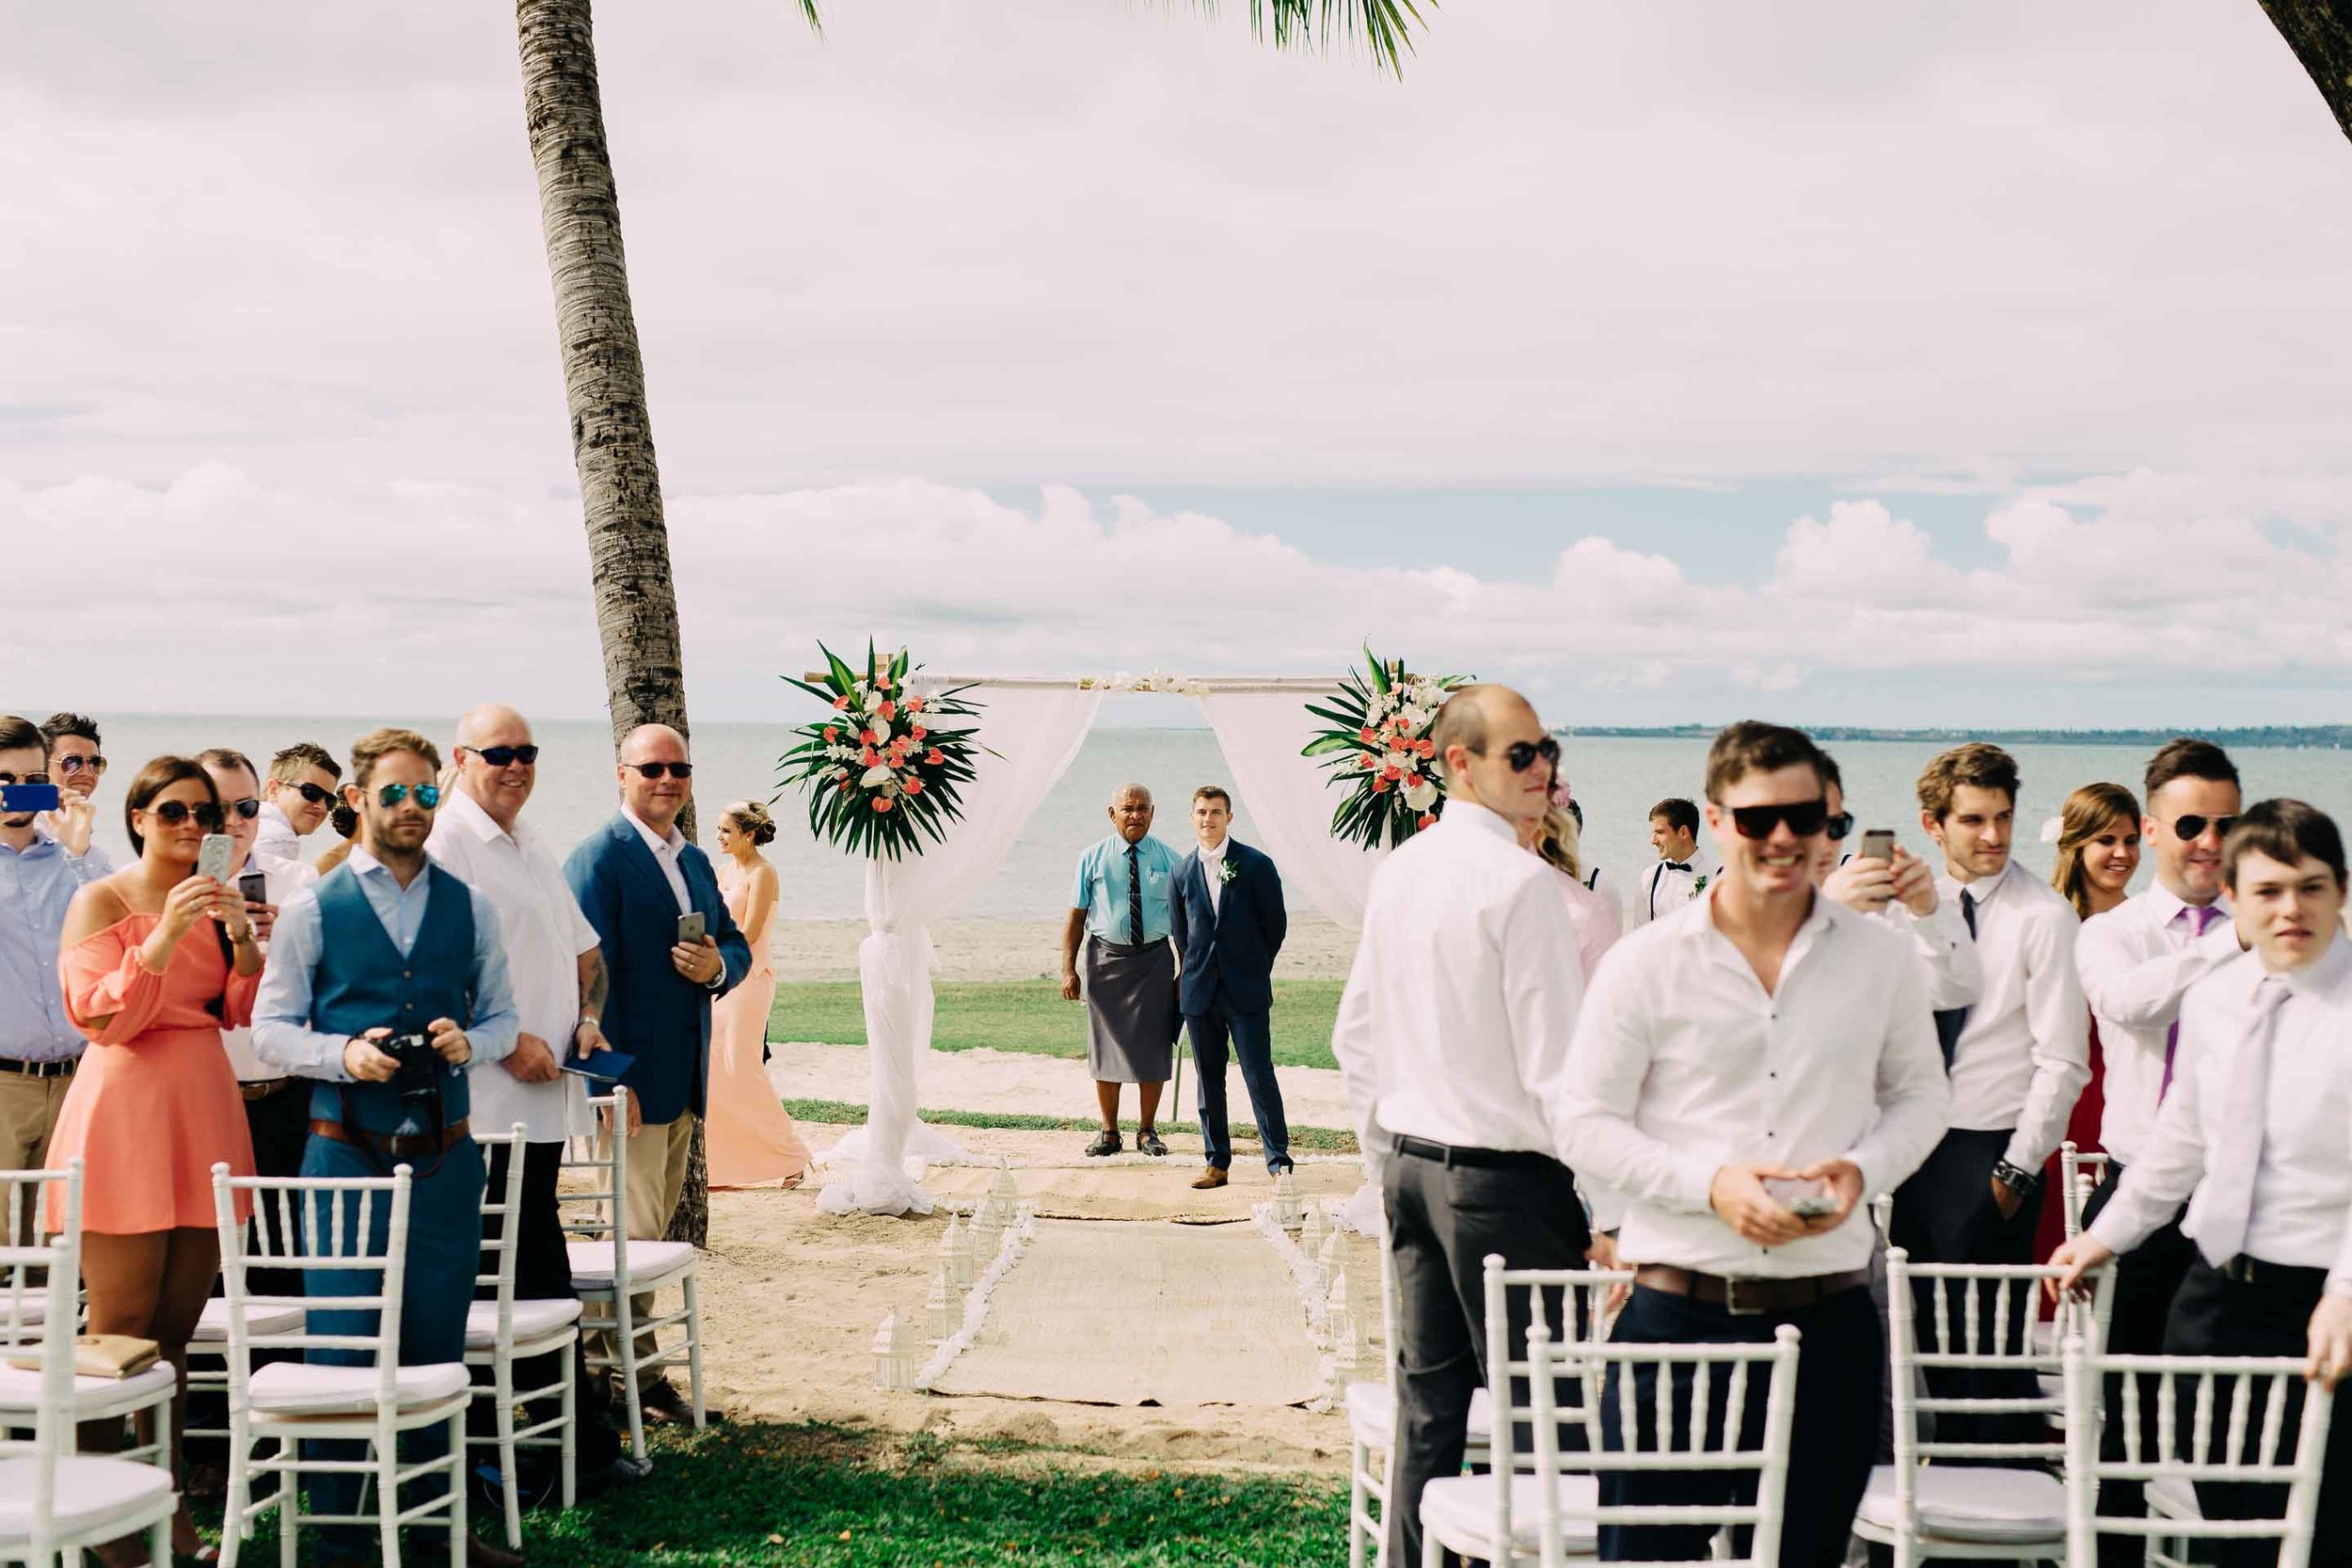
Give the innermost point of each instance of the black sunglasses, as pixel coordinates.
(1804, 819)
(247, 809)
(1521, 754)
(505, 756)
(428, 795)
(656, 769)
(1839, 825)
(316, 795)
(2190, 827)
(208, 816)
(29, 778)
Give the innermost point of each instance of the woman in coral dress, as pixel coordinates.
(747, 1139)
(155, 961)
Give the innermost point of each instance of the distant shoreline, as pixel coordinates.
(2298, 738)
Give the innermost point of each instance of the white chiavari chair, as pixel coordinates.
(502, 1332)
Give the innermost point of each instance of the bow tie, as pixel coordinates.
(1675, 866)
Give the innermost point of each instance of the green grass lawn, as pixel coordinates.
(1031, 1016)
(754, 1495)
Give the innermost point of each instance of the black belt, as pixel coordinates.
(2247, 1270)
(62, 1067)
(1744, 1297)
(1488, 1159)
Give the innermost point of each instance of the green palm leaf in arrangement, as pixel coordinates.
(884, 768)
(1380, 753)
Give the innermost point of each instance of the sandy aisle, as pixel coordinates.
(1316, 949)
(791, 1299)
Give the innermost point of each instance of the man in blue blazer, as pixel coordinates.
(637, 878)
(1228, 924)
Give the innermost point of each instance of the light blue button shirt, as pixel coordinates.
(283, 1035)
(37, 883)
(1102, 888)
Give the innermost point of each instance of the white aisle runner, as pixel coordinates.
(1112, 1313)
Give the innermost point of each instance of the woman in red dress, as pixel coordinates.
(2098, 851)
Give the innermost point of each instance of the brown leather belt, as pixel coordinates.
(262, 1088)
(394, 1143)
(1746, 1297)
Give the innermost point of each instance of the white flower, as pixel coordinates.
(1421, 797)
(875, 776)
(1400, 761)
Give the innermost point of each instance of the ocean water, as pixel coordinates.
(1615, 780)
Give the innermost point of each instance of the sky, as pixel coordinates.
(1868, 361)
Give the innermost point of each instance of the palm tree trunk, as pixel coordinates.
(2320, 32)
(604, 382)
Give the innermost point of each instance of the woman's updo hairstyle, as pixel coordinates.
(751, 819)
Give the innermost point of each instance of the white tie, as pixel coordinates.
(2237, 1149)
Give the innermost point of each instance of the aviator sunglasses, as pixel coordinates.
(76, 764)
(2188, 828)
(657, 770)
(172, 813)
(426, 796)
(1804, 819)
(505, 756)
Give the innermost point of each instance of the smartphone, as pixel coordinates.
(29, 796)
(253, 887)
(215, 855)
(605, 1066)
(1801, 1198)
(691, 928)
(1878, 844)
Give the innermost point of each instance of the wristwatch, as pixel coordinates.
(2018, 1180)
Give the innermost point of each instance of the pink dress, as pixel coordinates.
(747, 1139)
(155, 1102)
(1594, 917)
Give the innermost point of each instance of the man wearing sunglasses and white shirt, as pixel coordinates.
(76, 766)
(303, 783)
(1761, 1050)
(2137, 963)
(1451, 1037)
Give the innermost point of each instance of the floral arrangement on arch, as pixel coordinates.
(1380, 751)
(880, 770)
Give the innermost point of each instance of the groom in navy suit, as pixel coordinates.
(1228, 924)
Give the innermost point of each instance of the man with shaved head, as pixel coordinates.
(1452, 1039)
(1119, 921)
(643, 889)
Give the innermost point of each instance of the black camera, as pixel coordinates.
(417, 1079)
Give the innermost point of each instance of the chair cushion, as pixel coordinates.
(1973, 1503)
(1372, 1415)
(307, 1388)
(649, 1263)
(533, 1321)
(19, 1389)
(1459, 1512)
(211, 1328)
(91, 1493)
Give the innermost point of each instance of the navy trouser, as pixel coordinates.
(444, 1254)
(1252, 1039)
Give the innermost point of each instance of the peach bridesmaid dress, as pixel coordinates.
(155, 1102)
(747, 1139)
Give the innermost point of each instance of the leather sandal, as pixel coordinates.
(1106, 1142)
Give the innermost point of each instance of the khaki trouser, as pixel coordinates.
(28, 1114)
(656, 1175)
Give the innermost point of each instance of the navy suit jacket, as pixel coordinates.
(1234, 946)
(654, 1013)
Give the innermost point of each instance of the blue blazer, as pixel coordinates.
(654, 1013)
(1229, 948)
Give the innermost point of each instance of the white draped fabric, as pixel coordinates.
(1033, 734)
(1291, 800)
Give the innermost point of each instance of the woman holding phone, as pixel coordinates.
(155, 961)
(747, 1138)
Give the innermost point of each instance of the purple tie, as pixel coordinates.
(2199, 916)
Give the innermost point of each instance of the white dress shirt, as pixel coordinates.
(2136, 962)
(2302, 1185)
(1683, 1064)
(545, 935)
(1456, 1020)
(1212, 865)
(1955, 971)
(285, 877)
(2025, 1056)
(1664, 888)
(666, 851)
(277, 837)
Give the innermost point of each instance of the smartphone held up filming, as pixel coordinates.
(215, 855)
(18, 799)
(1878, 844)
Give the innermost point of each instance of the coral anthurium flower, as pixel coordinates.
(1426, 822)
(881, 803)
(918, 733)
(1380, 785)
(888, 708)
(913, 785)
(841, 704)
(832, 733)
(934, 756)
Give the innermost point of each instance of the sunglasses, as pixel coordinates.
(1839, 826)
(76, 764)
(505, 756)
(657, 769)
(426, 796)
(1804, 819)
(316, 795)
(29, 778)
(2190, 827)
(247, 809)
(173, 812)
(1521, 754)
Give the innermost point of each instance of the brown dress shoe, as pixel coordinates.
(1213, 1177)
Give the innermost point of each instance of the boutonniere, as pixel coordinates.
(1224, 871)
(1700, 886)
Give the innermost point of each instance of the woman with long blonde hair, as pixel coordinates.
(1552, 839)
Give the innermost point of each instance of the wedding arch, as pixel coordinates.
(1034, 728)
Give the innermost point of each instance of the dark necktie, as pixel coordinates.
(2199, 916)
(1949, 1021)
(1135, 895)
